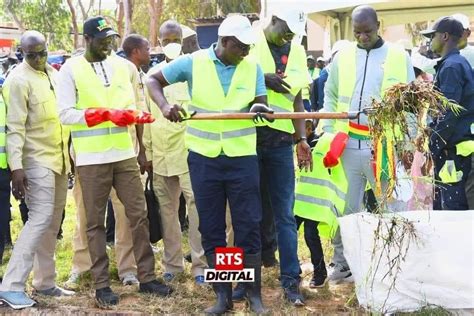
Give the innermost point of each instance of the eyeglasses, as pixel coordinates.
(243, 47)
(33, 55)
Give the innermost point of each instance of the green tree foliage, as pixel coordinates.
(238, 6)
(50, 17)
(183, 10)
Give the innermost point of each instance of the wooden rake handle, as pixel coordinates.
(276, 115)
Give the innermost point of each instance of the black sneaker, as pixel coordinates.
(155, 287)
(318, 280)
(105, 297)
(293, 295)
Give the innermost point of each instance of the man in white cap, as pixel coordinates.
(222, 158)
(465, 49)
(286, 74)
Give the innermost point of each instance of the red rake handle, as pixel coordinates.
(276, 115)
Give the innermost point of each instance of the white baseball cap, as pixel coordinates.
(463, 19)
(187, 31)
(296, 20)
(239, 27)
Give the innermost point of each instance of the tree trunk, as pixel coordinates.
(16, 19)
(120, 15)
(155, 8)
(75, 30)
(128, 10)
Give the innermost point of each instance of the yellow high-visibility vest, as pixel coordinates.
(320, 194)
(91, 93)
(3, 134)
(296, 76)
(395, 71)
(305, 93)
(234, 138)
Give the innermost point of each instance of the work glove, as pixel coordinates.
(338, 144)
(142, 117)
(122, 118)
(259, 109)
(96, 116)
(118, 117)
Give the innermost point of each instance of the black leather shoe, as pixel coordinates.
(155, 287)
(105, 297)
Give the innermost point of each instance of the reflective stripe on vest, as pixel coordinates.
(3, 136)
(99, 132)
(320, 196)
(234, 138)
(91, 93)
(395, 71)
(296, 76)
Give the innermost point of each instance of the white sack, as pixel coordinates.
(438, 269)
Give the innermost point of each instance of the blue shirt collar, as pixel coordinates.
(213, 56)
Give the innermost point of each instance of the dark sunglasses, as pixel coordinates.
(33, 55)
(240, 45)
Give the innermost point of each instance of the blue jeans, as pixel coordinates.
(278, 174)
(216, 181)
(4, 209)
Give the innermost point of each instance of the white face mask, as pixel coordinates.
(172, 50)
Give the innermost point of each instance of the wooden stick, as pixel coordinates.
(276, 115)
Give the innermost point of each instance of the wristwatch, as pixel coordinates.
(301, 139)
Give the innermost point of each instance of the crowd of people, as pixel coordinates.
(110, 120)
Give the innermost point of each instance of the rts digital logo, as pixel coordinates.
(229, 267)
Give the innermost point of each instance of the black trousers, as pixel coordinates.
(311, 236)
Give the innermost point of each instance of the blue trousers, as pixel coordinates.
(233, 179)
(277, 173)
(4, 209)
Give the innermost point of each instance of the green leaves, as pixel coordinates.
(50, 17)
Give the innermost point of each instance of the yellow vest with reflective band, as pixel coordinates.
(234, 138)
(3, 133)
(91, 93)
(320, 194)
(395, 71)
(296, 76)
(305, 93)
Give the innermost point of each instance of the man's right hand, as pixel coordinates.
(174, 113)
(19, 184)
(276, 83)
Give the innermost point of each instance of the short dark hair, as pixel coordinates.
(131, 42)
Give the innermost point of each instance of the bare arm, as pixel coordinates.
(155, 84)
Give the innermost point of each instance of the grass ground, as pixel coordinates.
(188, 298)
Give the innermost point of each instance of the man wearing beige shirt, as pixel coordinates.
(164, 141)
(37, 155)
